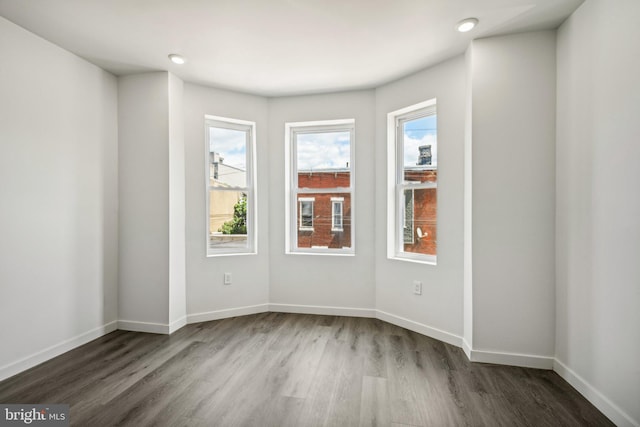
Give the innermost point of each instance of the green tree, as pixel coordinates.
(238, 225)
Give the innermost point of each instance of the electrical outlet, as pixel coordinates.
(227, 278)
(417, 287)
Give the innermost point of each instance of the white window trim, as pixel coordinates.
(395, 239)
(250, 189)
(334, 202)
(291, 192)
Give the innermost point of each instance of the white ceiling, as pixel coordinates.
(277, 47)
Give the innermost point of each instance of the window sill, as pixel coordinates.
(418, 259)
(214, 254)
(337, 252)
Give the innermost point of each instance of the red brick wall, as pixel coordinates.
(322, 235)
(421, 175)
(424, 216)
(425, 204)
(323, 179)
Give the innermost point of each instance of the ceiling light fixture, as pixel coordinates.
(177, 59)
(466, 25)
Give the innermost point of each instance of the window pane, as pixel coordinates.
(227, 157)
(323, 159)
(337, 216)
(420, 207)
(306, 214)
(420, 149)
(227, 219)
(322, 235)
(337, 213)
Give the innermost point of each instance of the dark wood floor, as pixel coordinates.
(277, 369)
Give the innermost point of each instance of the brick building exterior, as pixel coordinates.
(420, 213)
(316, 225)
(319, 222)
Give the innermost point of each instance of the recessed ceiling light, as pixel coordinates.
(177, 59)
(466, 25)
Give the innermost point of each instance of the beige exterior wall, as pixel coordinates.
(221, 208)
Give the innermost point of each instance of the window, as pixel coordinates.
(320, 182)
(412, 183)
(306, 213)
(230, 175)
(336, 213)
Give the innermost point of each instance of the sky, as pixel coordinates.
(231, 145)
(328, 150)
(419, 132)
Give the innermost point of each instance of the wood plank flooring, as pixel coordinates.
(276, 369)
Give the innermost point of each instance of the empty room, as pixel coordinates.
(320, 213)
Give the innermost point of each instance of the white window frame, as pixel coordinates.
(337, 201)
(292, 192)
(302, 200)
(252, 202)
(396, 185)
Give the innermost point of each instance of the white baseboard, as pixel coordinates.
(226, 313)
(174, 326)
(511, 359)
(420, 328)
(323, 310)
(150, 328)
(599, 400)
(466, 348)
(55, 350)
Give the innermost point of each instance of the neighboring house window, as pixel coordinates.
(231, 196)
(412, 183)
(336, 213)
(319, 187)
(306, 213)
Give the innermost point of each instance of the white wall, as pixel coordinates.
(513, 194)
(598, 206)
(143, 125)
(58, 168)
(206, 293)
(440, 305)
(322, 280)
(177, 224)
(467, 303)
